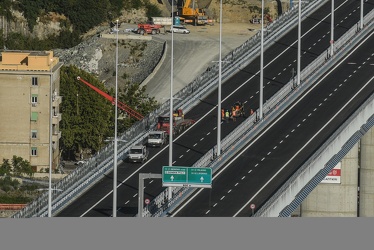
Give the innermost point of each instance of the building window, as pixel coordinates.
(34, 116)
(34, 99)
(34, 134)
(34, 81)
(34, 151)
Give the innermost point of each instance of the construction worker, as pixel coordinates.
(251, 112)
(222, 114)
(233, 114)
(227, 115)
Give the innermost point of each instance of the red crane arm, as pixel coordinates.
(121, 105)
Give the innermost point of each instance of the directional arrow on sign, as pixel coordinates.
(202, 179)
(172, 178)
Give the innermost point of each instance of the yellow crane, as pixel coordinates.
(193, 14)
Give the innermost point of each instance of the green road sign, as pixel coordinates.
(186, 177)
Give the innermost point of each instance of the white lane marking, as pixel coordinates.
(135, 195)
(188, 150)
(326, 124)
(223, 197)
(215, 204)
(304, 120)
(180, 156)
(150, 181)
(174, 162)
(194, 145)
(249, 171)
(268, 153)
(208, 133)
(127, 202)
(275, 147)
(256, 165)
(236, 184)
(202, 139)
(243, 177)
(263, 159)
(207, 212)
(229, 191)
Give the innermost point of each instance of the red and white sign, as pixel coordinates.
(146, 201)
(252, 206)
(334, 175)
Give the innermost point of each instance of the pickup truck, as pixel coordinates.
(156, 138)
(138, 153)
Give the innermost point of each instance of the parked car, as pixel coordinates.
(179, 29)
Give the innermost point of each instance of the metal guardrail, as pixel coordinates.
(232, 143)
(84, 177)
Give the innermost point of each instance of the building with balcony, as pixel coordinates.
(29, 107)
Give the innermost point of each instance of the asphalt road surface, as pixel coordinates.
(279, 61)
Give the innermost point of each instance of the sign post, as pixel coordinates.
(186, 177)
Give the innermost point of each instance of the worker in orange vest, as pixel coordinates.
(233, 114)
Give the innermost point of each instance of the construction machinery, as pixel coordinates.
(192, 14)
(131, 112)
(147, 28)
(179, 123)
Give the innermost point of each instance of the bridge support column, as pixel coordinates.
(367, 175)
(337, 198)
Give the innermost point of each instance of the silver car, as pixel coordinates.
(179, 29)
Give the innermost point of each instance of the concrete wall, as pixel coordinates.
(367, 175)
(336, 199)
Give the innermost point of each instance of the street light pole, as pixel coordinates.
(362, 14)
(171, 122)
(115, 134)
(219, 119)
(332, 29)
(50, 142)
(299, 46)
(262, 60)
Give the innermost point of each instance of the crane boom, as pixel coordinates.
(121, 105)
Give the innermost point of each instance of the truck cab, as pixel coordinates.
(156, 138)
(138, 153)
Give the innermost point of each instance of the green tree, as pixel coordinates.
(5, 168)
(135, 97)
(87, 117)
(21, 166)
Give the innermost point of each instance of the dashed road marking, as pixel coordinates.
(180, 156)
(194, 144)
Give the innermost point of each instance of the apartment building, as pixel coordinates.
(29, 107)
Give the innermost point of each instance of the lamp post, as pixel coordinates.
(115, 134)
(362, 14)
(299, 46)
(262, 60)
(50, 142)
(332, 29)
(171, 97)
(219, 119)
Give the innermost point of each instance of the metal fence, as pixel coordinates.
(248, 129)
(84, 177)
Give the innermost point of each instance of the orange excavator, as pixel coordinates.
(120, 105)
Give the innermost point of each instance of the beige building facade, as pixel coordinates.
(29, 107)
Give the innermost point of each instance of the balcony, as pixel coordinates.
(56, 118)
(56, 135)
(56, 101)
